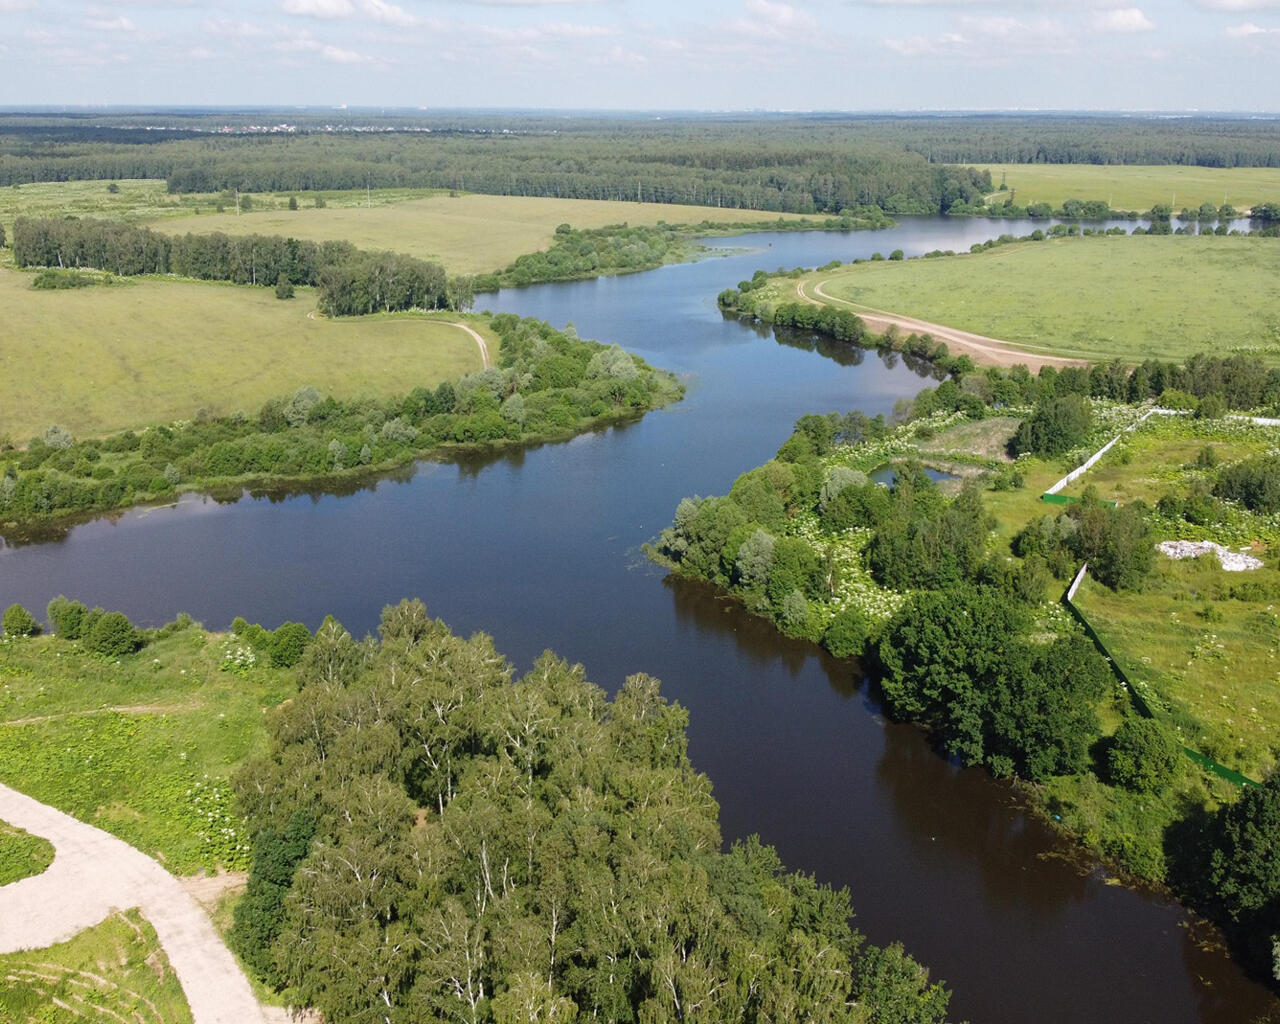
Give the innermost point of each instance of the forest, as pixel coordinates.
(439, 839)
(350, 282)
(799, 163)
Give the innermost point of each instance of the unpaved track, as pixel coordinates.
(94, 873)
(484, 349)
(989, 351)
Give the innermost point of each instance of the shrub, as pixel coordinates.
(67, 617)
(1055, 427)
(17, 621)
(284, 287)
(1144, 756)
(848, 634)
(112, 635)
(287, 644)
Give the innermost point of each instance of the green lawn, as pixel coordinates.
(22, 854)
(146, 351)
(468, 233)
(115, 971)
(141, 746)
(1138, 187)
(1099, 298)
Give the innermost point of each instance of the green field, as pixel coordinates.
(467, 233)
(115, 971)
(1163, 297)
(140, 746)
(151, 351)
(22, 854)
(1127, 187)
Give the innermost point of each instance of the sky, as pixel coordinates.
(647, 54)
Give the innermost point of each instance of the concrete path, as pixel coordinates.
(94, 873)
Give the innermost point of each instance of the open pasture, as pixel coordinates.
(1097, 298)
(466, 233)
(137, 352)
(1135, 187)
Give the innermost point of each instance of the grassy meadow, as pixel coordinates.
(115, 971)
(1134, 187)
(144, 351)
(466, 233)
(141, 746)
(1100, 298)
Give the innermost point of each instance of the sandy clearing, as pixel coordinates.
(988, 351)
(94, 873)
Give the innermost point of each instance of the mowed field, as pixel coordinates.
(1139, 187)
(468, 234)
(147, 351)
(1113, 297)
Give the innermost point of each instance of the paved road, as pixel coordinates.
(94, 873)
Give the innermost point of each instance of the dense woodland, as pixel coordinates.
(440, 840)
(549, 384)
(350, 282)
(801, 163)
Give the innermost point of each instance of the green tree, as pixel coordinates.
(284, 287)
(17, 621)
(1054, 427)
(66, 617)
(1143, 756)
(288, 643)
(112, 635)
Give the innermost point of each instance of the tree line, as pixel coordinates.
(438, 838)
(350, 282)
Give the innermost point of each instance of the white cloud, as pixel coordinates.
(1237, 6)
(388, 14)
(319, 8)
(334, 54)
(116, 24)
(7, 6)
(1248, 31)
(1122, 19)
(234, 29)
(990, 39)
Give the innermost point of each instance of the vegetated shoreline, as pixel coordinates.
(251, 670)
(550, 386)
(913, 580)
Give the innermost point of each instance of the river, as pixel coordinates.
(541, 549)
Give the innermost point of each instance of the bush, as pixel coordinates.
(112, 635)
(1144, 756)
(284, 287)
(67, 617)
(18, 621)
(287, 644)
(848, 634)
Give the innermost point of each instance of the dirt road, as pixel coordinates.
(94, 873)
(484, 349)
(988, 351)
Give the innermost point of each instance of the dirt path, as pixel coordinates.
(989, 351)
(486, 362)
(121, 709)
(94, 873)
(484, 349)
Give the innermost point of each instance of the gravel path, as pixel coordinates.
(94, 873)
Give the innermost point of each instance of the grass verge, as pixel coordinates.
(113, 972)
(141, 746)
(22, 854)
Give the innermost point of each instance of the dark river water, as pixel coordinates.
(541, 549)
